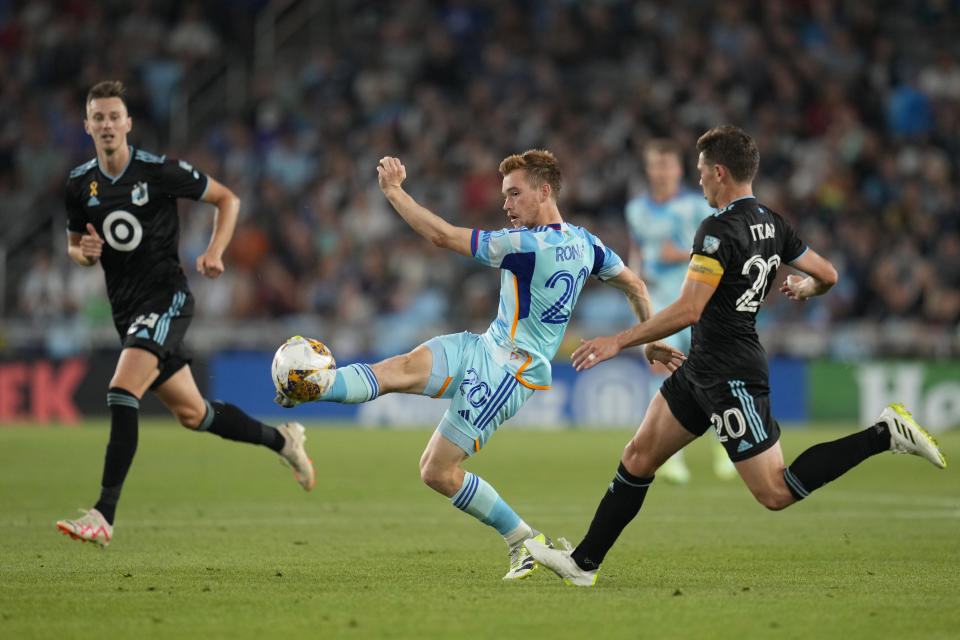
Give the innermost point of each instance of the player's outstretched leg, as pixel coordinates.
(232, 423)
(91, 527)
(906, 436)
(351, 384)
(295, 456)
(895, 430)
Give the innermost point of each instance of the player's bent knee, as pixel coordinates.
(189, 417)
(775, 500)
(439, 479)
(637, 460)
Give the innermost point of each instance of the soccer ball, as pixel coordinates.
(295, 365)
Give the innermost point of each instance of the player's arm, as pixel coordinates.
(821, 276)
(699, 286)
(391, 174)
(635, 289)
(227, 203)
(85, 248)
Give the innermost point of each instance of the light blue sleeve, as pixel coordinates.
(606, 263)
(491, 247)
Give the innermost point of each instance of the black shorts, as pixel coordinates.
(159, 326)
(738, 410)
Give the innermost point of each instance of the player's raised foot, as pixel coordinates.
(674, 471)
(722, 466)
(561, 562)
(91, 527)
(522, 563)
(906, 436)
(294, 455)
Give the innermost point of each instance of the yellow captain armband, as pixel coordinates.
(705, 269)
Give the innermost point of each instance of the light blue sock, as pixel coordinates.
(353, 384)
(482, 501)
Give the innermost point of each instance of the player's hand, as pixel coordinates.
(284, 401)
(210, 265)
(391, 173)
(793, 288)
(592, 352)
(663, 353)
(91, 245)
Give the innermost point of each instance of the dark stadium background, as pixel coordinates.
(855, 106)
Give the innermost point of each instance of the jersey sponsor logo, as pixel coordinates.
(705, 269)
(139, 195)
(710, 244)
(764, 231)
(122, 230)
(569, 252)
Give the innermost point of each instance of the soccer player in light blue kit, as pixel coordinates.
(544, 263)
(662, 224)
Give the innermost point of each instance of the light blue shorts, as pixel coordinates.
(483, 395)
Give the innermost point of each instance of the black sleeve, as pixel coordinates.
(178, 179)
(793, 246)
(712, 241)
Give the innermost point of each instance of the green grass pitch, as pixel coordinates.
(215, 539)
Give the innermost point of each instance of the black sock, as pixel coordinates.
(827, 461)
(618, 507)
(232, 423)
(124, 414)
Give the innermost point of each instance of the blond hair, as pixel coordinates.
(541, 167)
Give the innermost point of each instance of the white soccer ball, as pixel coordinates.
(295, 365)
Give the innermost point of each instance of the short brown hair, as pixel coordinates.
(107, 89)
(541, 167)
(733, 148)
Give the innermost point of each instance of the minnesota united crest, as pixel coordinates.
(139, 195)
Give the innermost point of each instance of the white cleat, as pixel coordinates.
(561, 562)
(92, 527)
(294, 455)
(522, 563)
(906, 436)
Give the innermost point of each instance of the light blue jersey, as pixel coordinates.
(651, 224)
(542, 272)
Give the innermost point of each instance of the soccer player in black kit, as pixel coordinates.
(122, 212)
(724, 382)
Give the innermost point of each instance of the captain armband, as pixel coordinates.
(705, 269)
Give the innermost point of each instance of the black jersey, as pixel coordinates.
(742, 245)
(136, 215)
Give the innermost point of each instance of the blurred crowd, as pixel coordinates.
(855, 106)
